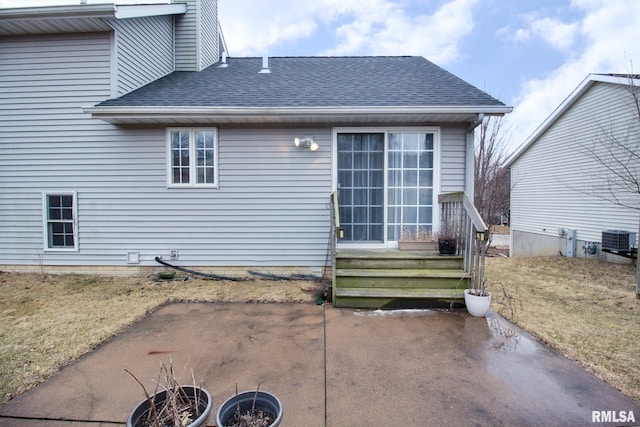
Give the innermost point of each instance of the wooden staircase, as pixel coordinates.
(388, 278)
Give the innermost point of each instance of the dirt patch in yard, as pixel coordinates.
(584, 308)
(501, 229)
(48, 320)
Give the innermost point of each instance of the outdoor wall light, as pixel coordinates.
(306, 142)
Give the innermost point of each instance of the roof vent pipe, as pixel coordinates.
(224, 61)
(265, 65)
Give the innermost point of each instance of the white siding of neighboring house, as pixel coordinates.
(552, 179)
(196, 36)
(144, 48)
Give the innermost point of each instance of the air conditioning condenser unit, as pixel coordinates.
(616, 240)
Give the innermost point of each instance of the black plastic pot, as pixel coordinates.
(447, 246)
(264, 401)
(202, 396)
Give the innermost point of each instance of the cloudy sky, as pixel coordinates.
(530, 54)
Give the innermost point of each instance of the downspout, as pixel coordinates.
(470, 154)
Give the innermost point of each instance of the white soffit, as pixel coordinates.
(74, 19)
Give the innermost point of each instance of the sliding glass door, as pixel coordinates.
(385, 183)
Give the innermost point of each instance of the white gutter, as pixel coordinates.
(144, 10)
(172, 111)
(477, 122)
(57, 12)
(92, 11)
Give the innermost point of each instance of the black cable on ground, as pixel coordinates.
(67, 421)
(271, 276)
(197, 273)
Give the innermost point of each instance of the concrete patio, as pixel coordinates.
(330, 367)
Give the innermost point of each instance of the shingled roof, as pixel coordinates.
(312, 82)
(320, 90)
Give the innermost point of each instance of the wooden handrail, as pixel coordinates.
(461, 216)
(469, 207)
(474, 215)
(336, 211)
(334, 234)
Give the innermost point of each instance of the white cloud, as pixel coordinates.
(259, 25)
(556, 33)
(363, 27)
(392, 30)
(608, 34)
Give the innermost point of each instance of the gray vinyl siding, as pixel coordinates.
(209, 34)
(46, 142)
(271, 208)
(144, 49)
(553, 179)
(186, 40)
(452, 159)
(196, 36)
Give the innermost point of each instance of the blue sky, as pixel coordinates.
(530, 54)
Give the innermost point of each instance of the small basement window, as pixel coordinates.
(192, 157)
(60, 221)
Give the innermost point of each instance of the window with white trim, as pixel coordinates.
(192, 157)
(60, 227)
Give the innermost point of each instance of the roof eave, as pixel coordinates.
(573, 97)
(141, 115)
(57, 12)
(93, 11)
(86, 17)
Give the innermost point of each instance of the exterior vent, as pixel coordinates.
(615, 240)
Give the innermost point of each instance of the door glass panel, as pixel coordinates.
(361, 186)
(410, 184)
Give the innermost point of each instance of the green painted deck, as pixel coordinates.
(389, 277)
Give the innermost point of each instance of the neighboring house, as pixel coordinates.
(127, 133)
(560, 191)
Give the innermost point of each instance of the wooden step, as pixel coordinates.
(399, 297)
(387, 277)
(378, 278)
(400, 293)
(401, 273)
(400, 263)
(388, 259)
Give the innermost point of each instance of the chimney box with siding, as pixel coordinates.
(197, 39)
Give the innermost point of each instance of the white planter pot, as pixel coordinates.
(477, 306)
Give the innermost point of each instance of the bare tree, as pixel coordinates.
(617, 151)
(491, 182)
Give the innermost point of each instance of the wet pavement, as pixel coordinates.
(332, 367)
